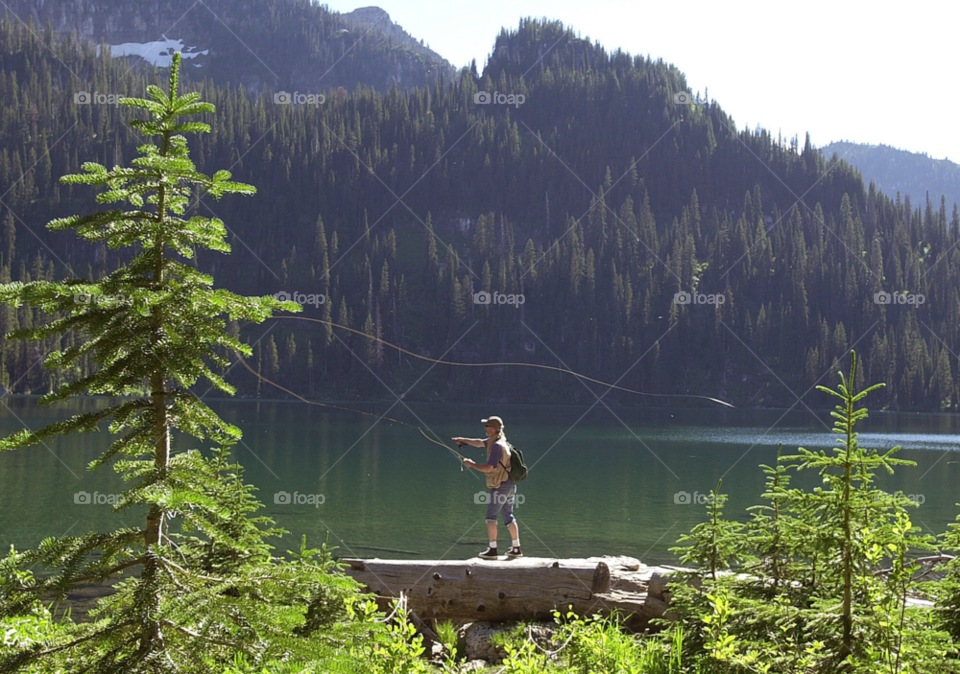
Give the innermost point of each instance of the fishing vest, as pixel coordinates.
(499, 474)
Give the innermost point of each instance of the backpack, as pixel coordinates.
(518, 469)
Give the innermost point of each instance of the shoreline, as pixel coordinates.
(386, 401)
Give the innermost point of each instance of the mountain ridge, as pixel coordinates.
(601, 199)
(257, 44)
(912, 174)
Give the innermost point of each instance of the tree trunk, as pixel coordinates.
(526, 588)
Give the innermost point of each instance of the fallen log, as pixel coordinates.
(517, 589)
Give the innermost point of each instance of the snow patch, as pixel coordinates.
(158, 53)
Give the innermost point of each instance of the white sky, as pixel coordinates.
(868, 72)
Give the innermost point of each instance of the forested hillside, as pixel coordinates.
(598, 198)
(908, 173)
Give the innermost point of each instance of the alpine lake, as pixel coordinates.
(626, 482)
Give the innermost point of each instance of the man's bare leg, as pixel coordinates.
(492, 532)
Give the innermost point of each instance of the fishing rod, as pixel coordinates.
(459, 444)
(516, 364)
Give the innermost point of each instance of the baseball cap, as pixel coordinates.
(496, 421)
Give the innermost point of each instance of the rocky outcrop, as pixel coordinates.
(377, 20)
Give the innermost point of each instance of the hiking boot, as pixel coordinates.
(514, 552)
(489, 553)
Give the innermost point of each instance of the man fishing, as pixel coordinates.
(502, 488)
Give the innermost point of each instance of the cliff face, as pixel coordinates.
(272, 44)
(377, 20)
(112, 21)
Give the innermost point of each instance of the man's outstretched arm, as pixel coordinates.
(470, 441)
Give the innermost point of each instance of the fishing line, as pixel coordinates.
(347, 409)
(460, 456)
(535, 365)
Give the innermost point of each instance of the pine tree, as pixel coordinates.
(9, 239)
(851, 507)
(154, 327)
(271, 358)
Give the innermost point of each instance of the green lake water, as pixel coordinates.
(598, 484)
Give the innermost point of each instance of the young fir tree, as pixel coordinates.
(714, 543)
(858, 611)
(199, 596)
(811, 594)
(851, 505)
(769, 531)
(711, 549)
